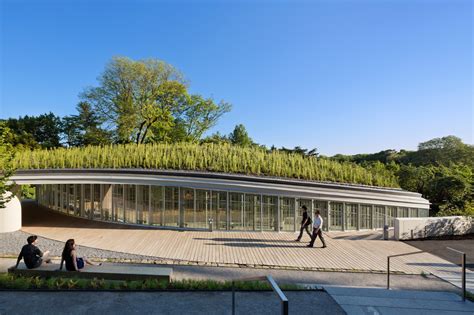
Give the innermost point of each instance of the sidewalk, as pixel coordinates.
(356, 301)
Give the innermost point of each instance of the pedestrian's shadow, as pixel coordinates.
(259, 245)
(242, 240)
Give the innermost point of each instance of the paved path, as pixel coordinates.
(196, 303)
(438, 247)
(250, 249)
(358, 301)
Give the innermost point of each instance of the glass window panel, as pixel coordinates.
(96, 202)
(351, 216)
(106, 205)
(202, 210)
(188, 206)
(379, 212)
(391, 214)
(365, 216)
(70, 206)
(403, 212)
(219, 210)
(117, 202)
(287, 214)
(87, 201)
(157, 205)
(130, 203)
(336, 215)
(251, 212)
(423, 212)
(64, 198)
(413, 212)
(269, 208)
(77, 201)
(236, 211)
(171, 215)
(143, 204)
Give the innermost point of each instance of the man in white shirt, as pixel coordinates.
(317, 229)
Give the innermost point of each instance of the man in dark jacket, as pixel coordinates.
(32, 255)
(305, 224)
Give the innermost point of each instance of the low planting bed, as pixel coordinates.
(106, 272)
(10, 281)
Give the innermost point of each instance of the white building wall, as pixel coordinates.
(10, 217)
(413, 228)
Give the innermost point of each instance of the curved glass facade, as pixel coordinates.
(190, 208)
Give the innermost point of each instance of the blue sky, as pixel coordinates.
(342, 76)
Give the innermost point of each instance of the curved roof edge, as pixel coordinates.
(227, 182)
(226, 176)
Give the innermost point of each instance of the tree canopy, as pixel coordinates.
(144, 100)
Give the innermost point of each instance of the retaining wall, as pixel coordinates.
(414, 228)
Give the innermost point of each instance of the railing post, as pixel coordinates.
(388, 272)
(284, 306)
(233, 298)
(464, 277)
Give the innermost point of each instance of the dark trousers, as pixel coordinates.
(316, 233)
(304, 227)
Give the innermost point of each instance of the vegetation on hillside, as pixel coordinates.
(442, 170)
(140, 114)
(206, 157)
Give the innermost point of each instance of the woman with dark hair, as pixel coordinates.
(73, 263)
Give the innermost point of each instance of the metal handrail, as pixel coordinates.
(463, 266)
(398, 255)
(275, 288)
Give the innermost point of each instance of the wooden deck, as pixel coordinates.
(345, 252)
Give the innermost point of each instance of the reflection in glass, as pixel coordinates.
(365, 216)
(287, 214)
(336, 215)
(351, 216)
(117, 203)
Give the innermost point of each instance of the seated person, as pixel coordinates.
(32, 255)
(73, 263)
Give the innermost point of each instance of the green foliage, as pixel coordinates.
(84, 128)
(441, 170)
(144, 100)
(32, 132)
(240, 136)
(449, 188)
(441, 151)
(206, 157)
(27, 192)
(9, 281)
(6, 164)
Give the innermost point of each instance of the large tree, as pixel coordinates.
(147, 100)
(84, 128)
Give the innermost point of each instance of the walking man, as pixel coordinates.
(305, 224)
(317, 229)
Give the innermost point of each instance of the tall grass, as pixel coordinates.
(206, 157)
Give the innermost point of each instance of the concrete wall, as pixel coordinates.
(10, 217)
(413, 228)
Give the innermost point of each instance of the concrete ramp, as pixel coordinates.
(376, 301)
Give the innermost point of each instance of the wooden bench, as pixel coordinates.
(106, 271)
